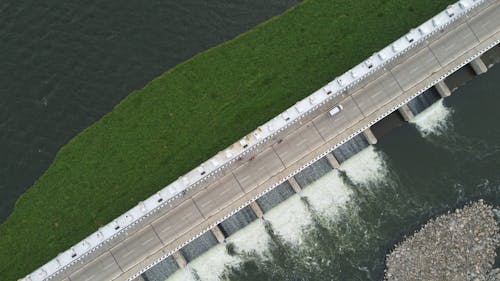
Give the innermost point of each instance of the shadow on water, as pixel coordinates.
(388, 124)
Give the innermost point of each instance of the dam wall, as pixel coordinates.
(193, 208)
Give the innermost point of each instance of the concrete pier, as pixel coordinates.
(370, 137)
(218, 234)
(478, 66)
(202, 206)
(442, 89)
(180, 259)
(406, 113)
(295, 185)
(332, 161)
(256, 209)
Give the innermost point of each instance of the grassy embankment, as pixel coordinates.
(189, 113)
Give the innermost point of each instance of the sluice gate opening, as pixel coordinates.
(313, 172)
(237, 221)
(423, 101)
(161, 271)
(460, 77)
(275, 196)
(492, 56)
(350, 148)
(199, 246)
(387, 124)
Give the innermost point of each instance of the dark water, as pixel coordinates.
(64, 64)
(341, 226)
(348, 220)
(423, 174)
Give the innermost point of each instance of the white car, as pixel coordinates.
(335, 110)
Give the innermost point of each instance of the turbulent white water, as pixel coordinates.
(253, 238)
(208, 267)
(211, 264)
(182, 275)
(344, 248)
(328, 194)
(366, 166)
(433, 120)
(290, 218)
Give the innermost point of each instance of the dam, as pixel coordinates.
(243, 182)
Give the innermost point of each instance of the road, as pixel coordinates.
(167, 230)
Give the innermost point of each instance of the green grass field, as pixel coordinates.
(190, 113)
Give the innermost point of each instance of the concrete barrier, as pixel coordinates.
(208, 170)
(332, 161)
(256, 209)
(179, 259)
(218, 234)
(443, 89)
(478, 66)
(295, 185)
(406, 113)
(370, 137)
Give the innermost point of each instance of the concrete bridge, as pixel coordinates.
(165, 225)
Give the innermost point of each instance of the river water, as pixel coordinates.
(341, 226)
(64, 64)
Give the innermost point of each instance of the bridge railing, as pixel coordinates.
(250, 142)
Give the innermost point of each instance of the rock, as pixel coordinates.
(459, 245)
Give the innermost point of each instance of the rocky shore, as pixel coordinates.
(459, 246)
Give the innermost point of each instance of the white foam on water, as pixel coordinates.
(289, 219)
(252, 238)
(182, 274)
(211, 265)
(328, 194)
(366, 166)
(433, 120)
